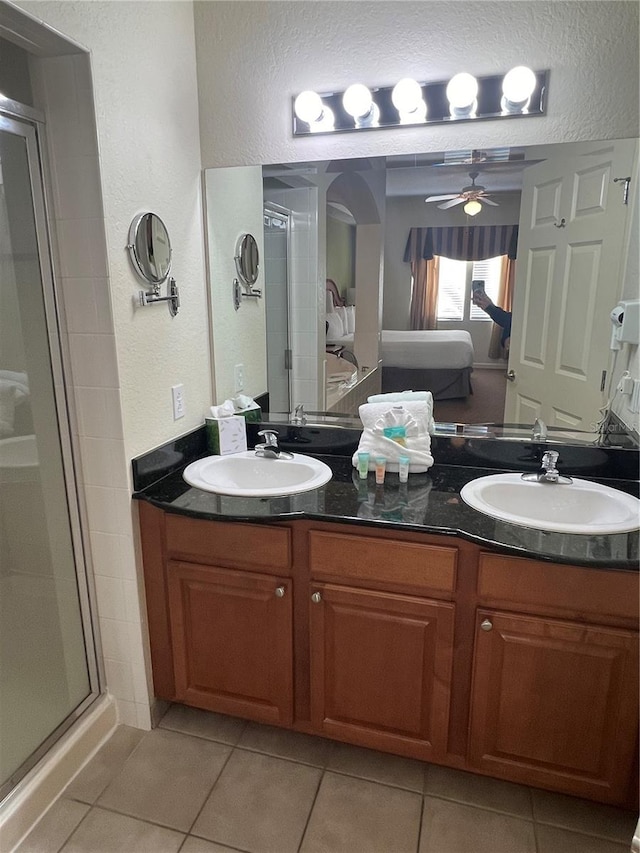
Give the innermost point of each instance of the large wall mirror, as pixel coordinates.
(352, 220)
(574, 234)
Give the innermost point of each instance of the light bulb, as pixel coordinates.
(357, 100)
(308, 106)
(472, 207)
(406, 95)
(407, 99)
(517, 88)
(462, 91)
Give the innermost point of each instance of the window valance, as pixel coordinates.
(472, 243)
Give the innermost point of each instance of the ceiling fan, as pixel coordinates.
(473, 193)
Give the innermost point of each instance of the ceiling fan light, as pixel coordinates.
(462, 91)
(472, 207)
(517, 87)
(308, 107)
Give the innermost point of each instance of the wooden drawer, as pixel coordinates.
(521, 584)
(252, 546)
(388, 561)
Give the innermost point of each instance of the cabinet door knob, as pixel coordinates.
(487, 625)
(280, 591)
(316, 598)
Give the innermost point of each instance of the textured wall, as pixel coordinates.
(144, 82)
(254, 56)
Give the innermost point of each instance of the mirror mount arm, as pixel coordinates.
(241, 291)
(148, 297)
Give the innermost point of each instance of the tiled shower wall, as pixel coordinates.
(62, 89)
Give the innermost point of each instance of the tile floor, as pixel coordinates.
(206, 783)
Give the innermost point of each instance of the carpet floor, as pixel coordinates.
(485, 405)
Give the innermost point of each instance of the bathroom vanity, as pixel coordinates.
(403, 621)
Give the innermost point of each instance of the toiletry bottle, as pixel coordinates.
(403, 468)
(381, 466)
(363, 464)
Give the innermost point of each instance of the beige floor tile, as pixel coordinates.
(480, 791)
(584, 816)
(554, 840)
(167, 779)
(377, 766)
(52, 830)
(259, 803)
(296, 746)
(193, 721)
(107, 832)
(456, 828)
(105, 764)
(199, 845)
(358, 816)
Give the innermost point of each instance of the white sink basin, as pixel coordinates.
(247, 475)
(579, 507)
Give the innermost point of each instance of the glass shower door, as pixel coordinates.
(47, 660)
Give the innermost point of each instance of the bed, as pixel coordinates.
(439, 361)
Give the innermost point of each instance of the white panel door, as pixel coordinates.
(568, 278)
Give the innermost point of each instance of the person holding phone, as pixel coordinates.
(499, 316)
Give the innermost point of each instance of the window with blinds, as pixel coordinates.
(454, 287)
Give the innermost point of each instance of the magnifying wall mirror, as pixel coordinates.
(150, 248)
(247, 259)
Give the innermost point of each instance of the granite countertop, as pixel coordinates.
(429, 502)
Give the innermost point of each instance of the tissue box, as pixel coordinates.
(252, 415)
(226, 435)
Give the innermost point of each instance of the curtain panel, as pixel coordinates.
(473, 243)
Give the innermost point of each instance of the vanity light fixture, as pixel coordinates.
(521, 92)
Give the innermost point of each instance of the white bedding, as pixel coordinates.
(435, 350)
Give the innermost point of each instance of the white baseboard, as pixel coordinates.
(24, 807)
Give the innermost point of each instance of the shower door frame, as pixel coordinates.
(272, 209)
(28, 122)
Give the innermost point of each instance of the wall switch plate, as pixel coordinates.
(238, 377)
(177, 394)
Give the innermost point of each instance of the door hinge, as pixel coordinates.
(603, 381)
(288, 359)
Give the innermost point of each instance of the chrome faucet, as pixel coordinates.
(539, 430)
(548, 473)
(270, 448)
(299, 416)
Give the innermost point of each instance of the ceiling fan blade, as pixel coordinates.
(441, 197)
(448, 204)
(486, 200)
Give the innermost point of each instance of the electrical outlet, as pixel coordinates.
(238, 377)
(177, 394)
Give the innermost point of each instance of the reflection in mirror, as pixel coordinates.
(247, 259)
(150, 248)
(569, 269)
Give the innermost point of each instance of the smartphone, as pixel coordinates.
(476, 285)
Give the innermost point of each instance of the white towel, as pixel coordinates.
(417, 442)
(399, 397)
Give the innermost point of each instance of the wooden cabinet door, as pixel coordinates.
(555, 703)
(232, 641)
(381, 669)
